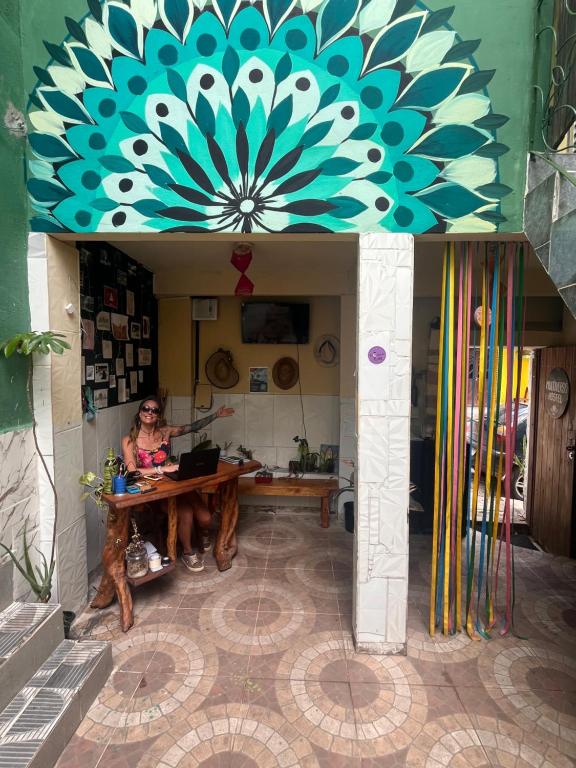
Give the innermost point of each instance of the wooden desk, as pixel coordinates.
(224, 484)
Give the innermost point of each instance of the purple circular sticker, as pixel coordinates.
(376, 355)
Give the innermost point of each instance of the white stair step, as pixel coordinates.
(40, 720)
(29, 632)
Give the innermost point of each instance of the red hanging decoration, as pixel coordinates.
(240, 260)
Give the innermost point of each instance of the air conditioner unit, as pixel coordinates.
(204, 309)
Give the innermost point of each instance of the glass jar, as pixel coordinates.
(136, 563)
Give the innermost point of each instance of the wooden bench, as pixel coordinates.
(291, 486)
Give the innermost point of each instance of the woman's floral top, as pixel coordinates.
(153, 458)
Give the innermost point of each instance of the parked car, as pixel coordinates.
(498, 446)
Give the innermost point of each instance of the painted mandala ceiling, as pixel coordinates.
(282, 116)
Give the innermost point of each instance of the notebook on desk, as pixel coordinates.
(196, 464)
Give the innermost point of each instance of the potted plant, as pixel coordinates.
(308, 459)
(27, 344)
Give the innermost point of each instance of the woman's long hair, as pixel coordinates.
(137, 423)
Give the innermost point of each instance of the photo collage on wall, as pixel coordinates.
(119, 327)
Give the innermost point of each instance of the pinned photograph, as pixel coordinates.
(110, 297)
(121, 277)
(101, 398)
(87, 303)
(134, 330)
(120, 327)
(103, 321)
(106, 349)
(89, 373)
(119, 366)
(140, 377)
(129, 352)
(101, 373)
(133, 382)
(258, 379)
(112, 381)
(87, 334)
(145, 327)
(121, 390)
(144, 356)
(129, 302)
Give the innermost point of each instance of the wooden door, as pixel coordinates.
(552, 508)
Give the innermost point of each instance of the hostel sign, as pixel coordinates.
(557, 392)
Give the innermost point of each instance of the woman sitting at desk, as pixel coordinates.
(147, 447)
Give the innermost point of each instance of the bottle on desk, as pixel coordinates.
(110, 471)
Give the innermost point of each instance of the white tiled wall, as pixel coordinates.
(383, 392)
(18, 505)
(264, 423)
(103, 432)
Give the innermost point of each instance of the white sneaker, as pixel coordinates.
(193, 562)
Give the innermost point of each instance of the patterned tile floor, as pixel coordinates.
(255, 668)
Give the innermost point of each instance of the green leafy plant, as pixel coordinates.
(38, 577)
(308, 459)
(95, 488)
(28, 344)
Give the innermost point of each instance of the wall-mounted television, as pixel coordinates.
(275, 322)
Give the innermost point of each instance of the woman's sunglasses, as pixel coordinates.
(148, 409)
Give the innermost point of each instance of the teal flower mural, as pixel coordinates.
(333, 116)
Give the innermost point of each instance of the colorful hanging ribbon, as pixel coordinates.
(499, 283)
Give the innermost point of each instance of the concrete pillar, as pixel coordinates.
(385, 284)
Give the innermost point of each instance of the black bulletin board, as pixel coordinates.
(119, 326)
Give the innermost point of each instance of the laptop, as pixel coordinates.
(196, 464)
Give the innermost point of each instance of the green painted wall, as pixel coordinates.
(14, 312)
(506, 32)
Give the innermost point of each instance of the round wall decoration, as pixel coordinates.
(556, 392)
(220, 370)
(285, 373)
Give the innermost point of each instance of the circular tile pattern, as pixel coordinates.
(160, 676)
(233, 734)
(233, 624)
(383, 723)
(510, 677)
(460, 741)
(556, 615)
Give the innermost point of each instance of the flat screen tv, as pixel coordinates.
(274, 322)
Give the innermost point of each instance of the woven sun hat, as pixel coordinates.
(327, 350)
(285, 373)
(220, 370)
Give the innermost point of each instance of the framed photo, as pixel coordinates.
(110, 297)
(120, 327)
(134, 330)
(329, 455)
(129, 302)
(129, 352)
(121, 277)
(87, 303)
(121, 390)
(101, 373)
(145, 327)
(101, 398)
(106, 349)
(133, 382)
(103, 321)
(89, 373)
(258, 379)
(87, 334)
(112, 382)
(119, 366)
(144, 356)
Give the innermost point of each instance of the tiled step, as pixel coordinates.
(29, 632)
(40, 720)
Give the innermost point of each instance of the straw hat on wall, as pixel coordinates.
(220, 370)
(285, 373)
